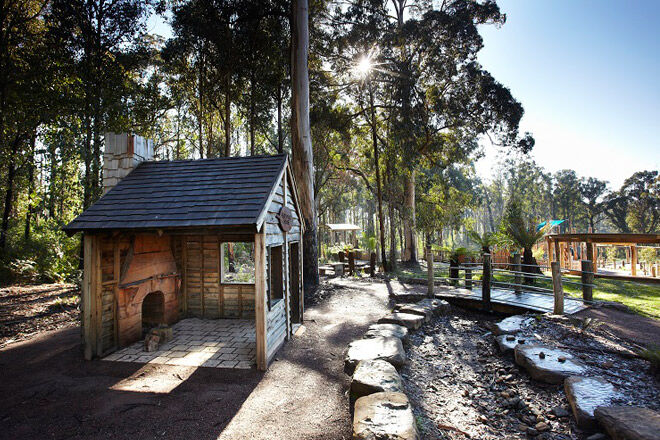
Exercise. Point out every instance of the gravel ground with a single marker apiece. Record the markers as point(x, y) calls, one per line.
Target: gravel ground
point(462, 387)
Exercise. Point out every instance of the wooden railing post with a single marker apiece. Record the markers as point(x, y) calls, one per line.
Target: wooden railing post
point(430, 276)
point(351, 263)
point(372, 264)
point(517, 279)
point(468, 278)
point(485, 285)
point(587, 280)
point(557, 288)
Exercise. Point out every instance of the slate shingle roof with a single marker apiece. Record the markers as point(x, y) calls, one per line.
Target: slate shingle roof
point(190, 193)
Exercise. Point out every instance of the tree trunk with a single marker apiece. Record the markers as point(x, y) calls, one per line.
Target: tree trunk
point(9, 194)
point(392, 237)
point(379, 189)
point(301, 140)
point(30, 188)
point(280, 138)
point(252, 130)
point(409, 223)
point(228, 116)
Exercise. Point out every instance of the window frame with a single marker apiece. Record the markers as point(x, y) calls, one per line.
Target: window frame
point(222, 266)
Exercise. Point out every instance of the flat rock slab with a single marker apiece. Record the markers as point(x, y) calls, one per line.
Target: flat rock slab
point(374, 376)
point(387, 349)
point(415, 309)
point(412, 322)
point(439, 306)
point(386, 331)
point(585, 394)
point(508, 343)
point(547, 364)
point(629, 422)
point(512, 325)
point(384, 416)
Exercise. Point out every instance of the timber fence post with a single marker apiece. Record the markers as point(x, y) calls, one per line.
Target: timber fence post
point(557, 288)
point(351, 263)
point(468, 278)
point(587, 280)
point(429, 272)
point(485, 285)
point(517, 276)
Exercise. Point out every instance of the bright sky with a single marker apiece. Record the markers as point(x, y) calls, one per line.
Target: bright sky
point(588, 75)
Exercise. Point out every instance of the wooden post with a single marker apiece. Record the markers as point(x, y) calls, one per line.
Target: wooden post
point(633, 260)
point(468, 278)
point(485, 285)
point(430, 277)
point(87, 295)
point(557, 253)
point(587, 278)
point(372, 264)
point(548, 248)
point(517, 279)
point(351, 263)
point(260, 299)
point(557, 288)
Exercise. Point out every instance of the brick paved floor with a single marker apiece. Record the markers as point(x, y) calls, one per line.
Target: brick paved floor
point(217, 343)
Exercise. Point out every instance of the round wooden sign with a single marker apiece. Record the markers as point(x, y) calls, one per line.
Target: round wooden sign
point(286, 219)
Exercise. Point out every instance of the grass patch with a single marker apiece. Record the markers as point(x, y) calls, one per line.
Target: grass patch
point(641, 298)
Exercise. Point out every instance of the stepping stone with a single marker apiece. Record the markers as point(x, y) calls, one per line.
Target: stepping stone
point(585, 394)
point(547, 364)
point(374, 376)
point(512, 324)
point(415, 309)
point(508, 343)
point(386, 331)
point(388, 349)
point(384, 416)
point(629, 422)
point(412, 322)
point(439, 306)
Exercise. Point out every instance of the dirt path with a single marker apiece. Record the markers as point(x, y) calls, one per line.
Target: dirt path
point(26, 311)
point(49, 391)
point(302, 396)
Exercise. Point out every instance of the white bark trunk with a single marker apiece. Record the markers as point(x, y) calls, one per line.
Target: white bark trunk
point(301, 139)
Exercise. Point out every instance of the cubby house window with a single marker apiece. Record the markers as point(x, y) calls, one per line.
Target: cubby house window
point(275, 278)
point(238, 263)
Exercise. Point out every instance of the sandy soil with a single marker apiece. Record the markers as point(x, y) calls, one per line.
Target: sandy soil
point(50, 391)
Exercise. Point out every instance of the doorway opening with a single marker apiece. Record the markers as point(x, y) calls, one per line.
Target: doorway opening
point(294, 282)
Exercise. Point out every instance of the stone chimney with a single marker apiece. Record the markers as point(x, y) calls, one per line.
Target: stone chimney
point(123, 152)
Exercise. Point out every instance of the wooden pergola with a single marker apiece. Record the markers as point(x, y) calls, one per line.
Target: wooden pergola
point(559, 243)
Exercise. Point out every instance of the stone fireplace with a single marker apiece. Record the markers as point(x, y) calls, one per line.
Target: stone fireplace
point(148, 288)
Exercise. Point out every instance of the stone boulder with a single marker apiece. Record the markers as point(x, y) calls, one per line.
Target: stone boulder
point(412, 322)
point(415, 309)
point(384, 416)
point(508, 343)
point(374, 376)
point(547, 364)
point(387, 349)
point(439, 306)
point(387, 330)
point(629, 422)
point(512, 325)
point(585, 394)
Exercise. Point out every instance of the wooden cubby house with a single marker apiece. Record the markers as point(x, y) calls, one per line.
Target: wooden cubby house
point(163, 244)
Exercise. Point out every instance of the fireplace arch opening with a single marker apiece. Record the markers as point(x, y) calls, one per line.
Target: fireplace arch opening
point(153, 311)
